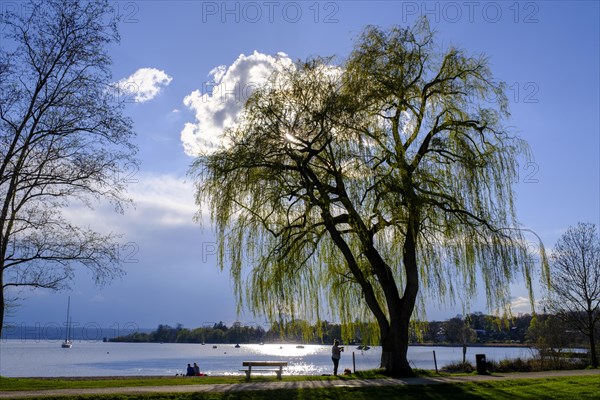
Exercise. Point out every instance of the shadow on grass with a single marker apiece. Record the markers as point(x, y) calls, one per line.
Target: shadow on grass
point(506, 390)
point(433, 392)
point(581, 387)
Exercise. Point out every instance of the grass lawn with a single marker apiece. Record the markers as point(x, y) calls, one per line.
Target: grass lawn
point(564, 388)
point(11, 384)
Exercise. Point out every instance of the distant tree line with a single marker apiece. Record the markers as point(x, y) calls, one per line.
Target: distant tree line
point(540, 330)
point(476, 328)
point(296, 331)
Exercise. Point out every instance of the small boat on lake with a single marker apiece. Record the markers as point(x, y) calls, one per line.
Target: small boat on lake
point(68, 343)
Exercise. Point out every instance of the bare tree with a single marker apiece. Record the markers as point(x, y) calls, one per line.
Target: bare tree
point(574, 294)
point(63, 140)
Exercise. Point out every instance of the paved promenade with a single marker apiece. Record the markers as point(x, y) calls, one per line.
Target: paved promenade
point(237, 387)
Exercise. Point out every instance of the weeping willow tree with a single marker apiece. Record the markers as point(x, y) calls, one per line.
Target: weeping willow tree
point(354, 188)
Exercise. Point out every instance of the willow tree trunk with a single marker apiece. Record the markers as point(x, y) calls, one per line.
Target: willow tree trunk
point(394, 346)
point(395, 339)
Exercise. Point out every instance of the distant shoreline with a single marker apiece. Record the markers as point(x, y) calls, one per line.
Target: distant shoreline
point(470, 345)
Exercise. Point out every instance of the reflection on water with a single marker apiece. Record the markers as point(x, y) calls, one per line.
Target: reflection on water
point(95, 358)
point(286, 350)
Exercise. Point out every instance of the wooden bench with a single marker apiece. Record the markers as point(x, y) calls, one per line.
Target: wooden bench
point(271, 366)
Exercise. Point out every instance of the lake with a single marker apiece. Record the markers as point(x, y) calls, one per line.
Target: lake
point(44, 358)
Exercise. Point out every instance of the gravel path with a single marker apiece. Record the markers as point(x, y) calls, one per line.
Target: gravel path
point(236, 387)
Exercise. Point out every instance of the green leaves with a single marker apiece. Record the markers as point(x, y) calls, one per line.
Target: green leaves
point(338, 175)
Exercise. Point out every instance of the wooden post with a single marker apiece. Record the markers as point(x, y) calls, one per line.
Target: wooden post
point(435, 362)
point(353, 363)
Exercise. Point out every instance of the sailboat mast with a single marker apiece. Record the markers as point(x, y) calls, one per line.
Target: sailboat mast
point(68, 320)
point(67, 343)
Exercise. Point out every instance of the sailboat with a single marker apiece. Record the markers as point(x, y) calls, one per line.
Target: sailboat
point(68, 343)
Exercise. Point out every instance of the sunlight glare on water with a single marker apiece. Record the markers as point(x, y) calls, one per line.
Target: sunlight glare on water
point(283, 350)
point(296, 355)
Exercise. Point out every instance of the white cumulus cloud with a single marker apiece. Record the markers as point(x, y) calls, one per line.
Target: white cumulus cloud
point(521, 304)
point(218, 105)
point(144, 84)
point(159, 201)
point(164, 200)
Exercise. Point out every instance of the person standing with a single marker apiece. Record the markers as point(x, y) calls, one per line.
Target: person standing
point(336, 351)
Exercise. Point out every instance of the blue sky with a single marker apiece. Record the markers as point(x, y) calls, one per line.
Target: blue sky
point(546, 52)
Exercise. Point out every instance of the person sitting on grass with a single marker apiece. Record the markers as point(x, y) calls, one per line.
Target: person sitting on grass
point(190, 371)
